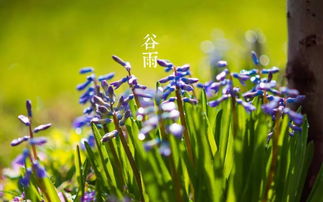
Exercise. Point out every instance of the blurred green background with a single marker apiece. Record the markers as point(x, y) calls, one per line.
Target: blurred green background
point(44, 43)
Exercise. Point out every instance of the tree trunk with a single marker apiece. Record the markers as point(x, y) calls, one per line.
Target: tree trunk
point(305, 71)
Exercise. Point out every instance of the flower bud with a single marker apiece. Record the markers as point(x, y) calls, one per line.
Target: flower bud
point(270, 71)
point(42, 127)
point(151, 143)
point(164, 63)
point(106, 77)
point(40, 171)
point(221, 76)
point(255, 58)
point(28, 107)
point(37, 141)
point(85, 70)
point(109, 136)
point(126, 65)
point(24, 119)
point(82, 86)
point(222, 63)
point(19, 140)
point(176, 129)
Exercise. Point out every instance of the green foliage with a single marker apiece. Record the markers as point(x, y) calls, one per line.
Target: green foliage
point(226, 167)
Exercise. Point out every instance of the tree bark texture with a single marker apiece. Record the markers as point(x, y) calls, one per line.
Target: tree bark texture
point(305, 71)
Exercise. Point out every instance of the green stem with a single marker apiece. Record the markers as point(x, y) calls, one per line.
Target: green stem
point(172, 167)
point(33, 147)
point(273, 165)
point(129, 156)
point(184, 124)
point(116, 161)
point(80, 166)
point(235, 124)
point(102, 158)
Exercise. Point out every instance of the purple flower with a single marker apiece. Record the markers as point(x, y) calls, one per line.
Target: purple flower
point(248, 107)
point(169, 106)
point(87, 95)
point(88, 197)
point(164, 63)
point(297, 99)
point(222, 63)
point(270, 71)
point(228, 88)
point(241, 77)
point(24, 119)
point(251, 72)
point(118, 83)
point(90, 140)
point(21, 159)
point(25, 180)
point(190, 100)
point(255, 79)
point(164, 149)
point(289, 92)
point(85, 70)
point(215, 86)
point(183, 68)
point(42, 127)
point(166, 79)
point(270, 107)
point(172, 115)
point(106, 77)
point(176, 129)
point(143, 94)
point(181, 74)
point(133, 80)
point(252, 94)
point(222, 75)
point(40, 171)
point(82, 86)
point(171, 99)
point(87, 110)
point(189, 80)
point(19, 140)
point(126, 65)
point(266, 85)
point(295, 117)
point(215, 103)
point(37, 141)
point(151, 143)
point(167, 92)
point(255, 58)
point(98, 100)
point(140, 86)
point(295, 128)
point(185, 87)
point(28, 107)
point(96, 120)
point(109, 136)
point(81, 121)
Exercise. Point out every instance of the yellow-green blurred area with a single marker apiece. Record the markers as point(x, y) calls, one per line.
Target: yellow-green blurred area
point(43, 44)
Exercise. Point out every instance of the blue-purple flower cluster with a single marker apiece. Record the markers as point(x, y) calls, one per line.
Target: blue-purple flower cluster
point(275, 101)
point(163, 115)
point(21, 159)
point(179, 80)
point(26, 120)
point(225, 83)
point(130, 78)
point(90, 88)
point(88, 196)
point(108, 110)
